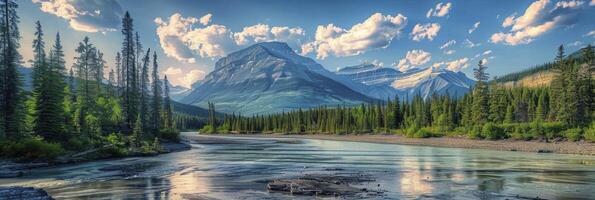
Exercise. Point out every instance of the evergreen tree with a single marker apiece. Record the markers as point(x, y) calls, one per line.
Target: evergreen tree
point(144, 91)
point(168, 113)
point(157, 97)
point(50, 121)
point(11, 111)
point(129, 67)
point(480, 110)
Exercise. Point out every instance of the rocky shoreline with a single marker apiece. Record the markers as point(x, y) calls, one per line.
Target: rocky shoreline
point(10, 169)
point(561, 147)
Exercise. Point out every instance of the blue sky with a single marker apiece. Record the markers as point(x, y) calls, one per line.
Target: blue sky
point(189, 36)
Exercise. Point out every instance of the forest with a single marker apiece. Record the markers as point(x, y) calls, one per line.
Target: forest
point(76, 110)
point(562, 110)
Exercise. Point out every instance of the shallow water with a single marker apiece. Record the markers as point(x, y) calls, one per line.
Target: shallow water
point(239, 168)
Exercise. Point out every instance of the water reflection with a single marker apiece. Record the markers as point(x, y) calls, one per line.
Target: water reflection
point(240, 168)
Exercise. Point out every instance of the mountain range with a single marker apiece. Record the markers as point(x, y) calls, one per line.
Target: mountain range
point(270, 77)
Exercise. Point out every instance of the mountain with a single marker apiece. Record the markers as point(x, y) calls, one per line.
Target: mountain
point(270, 77)
point(177, 92)
point(387, 82)
point(426, 82)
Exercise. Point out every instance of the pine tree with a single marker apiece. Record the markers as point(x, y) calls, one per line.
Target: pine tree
point(168, 113)
point(50, 121)
point(480, 110)
point(144, 91)
point(39, 58)
point(557, 85)
point(130, 73)
point(11, 111)
point(157, 97)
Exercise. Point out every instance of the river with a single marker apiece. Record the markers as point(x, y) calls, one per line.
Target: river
point(239, 168)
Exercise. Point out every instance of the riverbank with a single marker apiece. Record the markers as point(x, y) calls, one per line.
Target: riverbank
point(10, 169)
point(562, 147)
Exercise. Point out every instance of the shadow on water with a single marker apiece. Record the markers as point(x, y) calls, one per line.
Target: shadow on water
point(231, 168)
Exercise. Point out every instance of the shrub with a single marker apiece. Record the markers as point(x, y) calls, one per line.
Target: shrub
point(424, 133)
point(475, 132)
point(170, 135)
point(207, 129)
point(492, 132)
point(573, 134)
point(553, 129)
point(32, 149)
point(590, 133)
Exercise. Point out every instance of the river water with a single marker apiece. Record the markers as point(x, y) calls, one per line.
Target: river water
point(239, 168)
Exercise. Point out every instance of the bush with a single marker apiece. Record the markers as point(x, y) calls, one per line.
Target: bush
point(590, 133)
point(475, 132)
point(170, 135)
point(492, 132)
point(207, 129)
point(32, 149)
point(573, 134)
point(553, 129)
point(424, 133)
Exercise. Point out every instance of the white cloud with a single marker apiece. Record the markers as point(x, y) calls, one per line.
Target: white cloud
point(575, 44)
point(205, 20)
point(590, 33)
point(191, 77)
point(475, 26)
point(172, 71)
point(484, 61)
point(181, 40)
point(455, 65)
point(508, 21)
point(449, 52)
point(592, 3)
point(448, 44)
point(470, 44)
point(536, 21)
point(426, 31)
point(85, 15)
point(485, 53)
point(413, 59)
point(440, 10)
point(263, 33)
point(569, 4)
point(375, 32)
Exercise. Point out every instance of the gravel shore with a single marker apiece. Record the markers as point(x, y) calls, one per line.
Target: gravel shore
point(562, 147)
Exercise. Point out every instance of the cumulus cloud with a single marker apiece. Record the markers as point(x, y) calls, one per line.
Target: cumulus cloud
point(592, 3)
point(263, 33)
point(413, 59)
point(205, 20)
point(425, 31)
point(590, 34)
point(172, 71)
point(191, 77)
point(454, 65)
point(475, 26)
point(440, 10)
point(85, 15)
point(536, 21)
point(375, 32)
point(181, 40)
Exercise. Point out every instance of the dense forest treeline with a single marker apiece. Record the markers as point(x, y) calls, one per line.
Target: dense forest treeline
point(565, 109)
point(76, 110)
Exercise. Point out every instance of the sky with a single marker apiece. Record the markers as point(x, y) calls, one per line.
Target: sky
point(190, 36)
